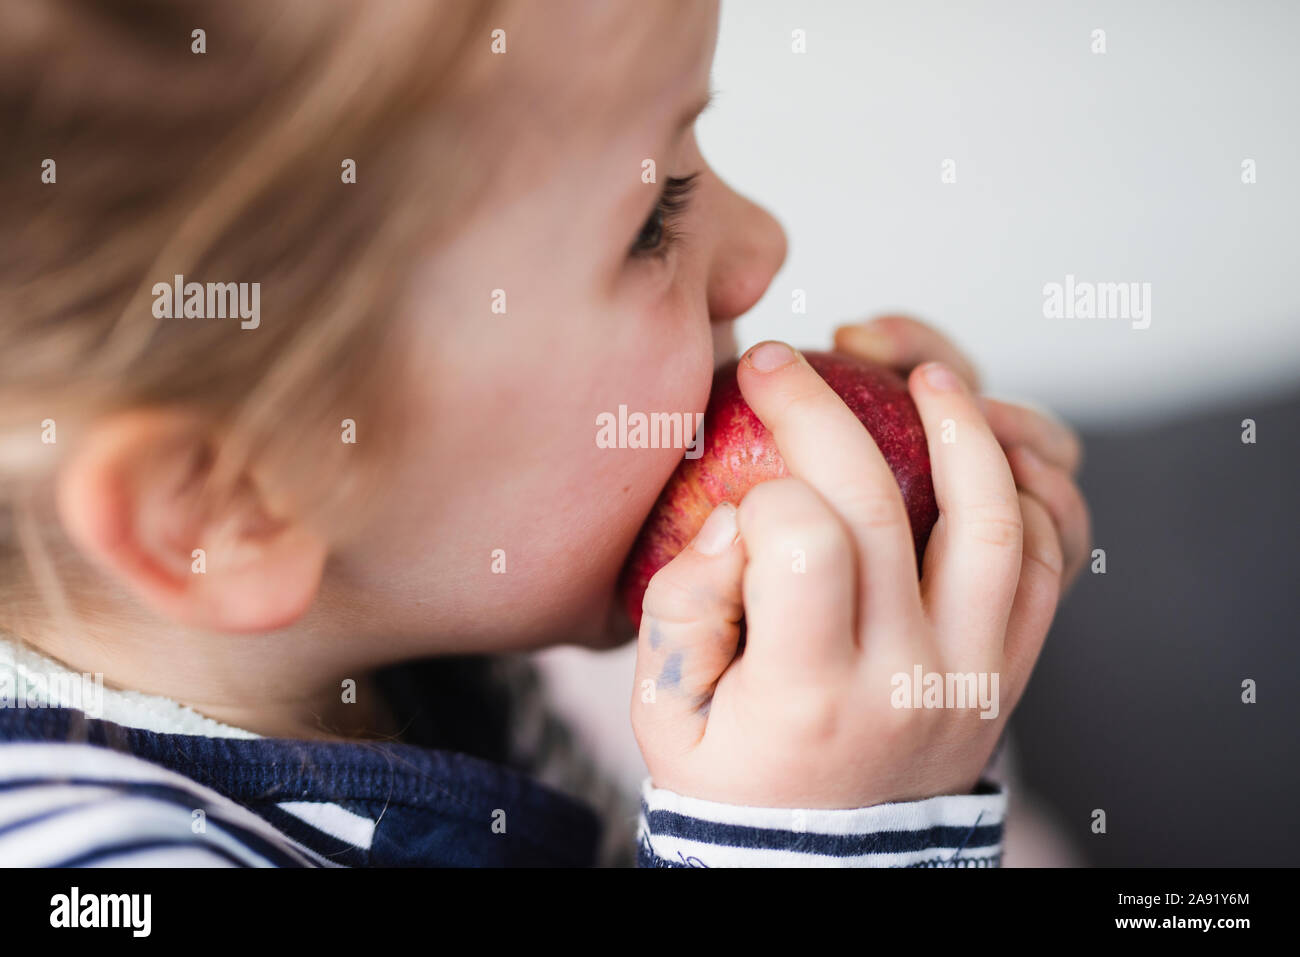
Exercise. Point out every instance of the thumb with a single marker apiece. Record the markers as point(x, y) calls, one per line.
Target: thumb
point(690, 627)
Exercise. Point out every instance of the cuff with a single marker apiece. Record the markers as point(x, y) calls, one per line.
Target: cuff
point(961, 830)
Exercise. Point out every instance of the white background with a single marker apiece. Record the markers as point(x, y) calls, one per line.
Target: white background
point(1116, 167)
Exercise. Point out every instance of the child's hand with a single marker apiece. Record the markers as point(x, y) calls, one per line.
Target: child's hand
point(1043, 452)
point(805, 717)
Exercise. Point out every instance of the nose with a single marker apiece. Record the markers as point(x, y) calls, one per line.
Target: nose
point(751, 251)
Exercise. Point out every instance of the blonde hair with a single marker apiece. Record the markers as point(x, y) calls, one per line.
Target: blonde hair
point(224, 165)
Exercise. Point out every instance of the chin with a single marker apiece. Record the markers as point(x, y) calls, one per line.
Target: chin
point(596, 624)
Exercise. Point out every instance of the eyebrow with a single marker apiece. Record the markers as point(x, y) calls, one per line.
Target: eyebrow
point(691, 115)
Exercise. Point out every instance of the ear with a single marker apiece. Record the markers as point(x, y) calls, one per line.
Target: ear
point(133, 497)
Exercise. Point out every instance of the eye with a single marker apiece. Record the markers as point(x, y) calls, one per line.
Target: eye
point(652, 233)
point(657, 234)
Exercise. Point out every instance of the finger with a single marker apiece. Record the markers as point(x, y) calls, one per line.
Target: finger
point(690, 626)
point(905, 343)
point(1055, 488)
point(1052, 439)
point(972, 562)
point(824, 443)
point(1037, 595)
point(799, 585)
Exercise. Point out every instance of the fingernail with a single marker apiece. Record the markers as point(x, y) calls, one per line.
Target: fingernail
point(769, 356)
point(718, 531)
point(941, 378)
point(871, 341)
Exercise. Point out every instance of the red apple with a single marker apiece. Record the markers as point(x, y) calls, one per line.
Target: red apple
point(739, 453)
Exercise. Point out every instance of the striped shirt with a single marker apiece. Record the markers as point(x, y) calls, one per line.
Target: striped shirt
point(491, 777)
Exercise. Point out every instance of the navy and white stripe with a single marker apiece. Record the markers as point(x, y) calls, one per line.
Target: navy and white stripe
point(952, 831)
point(153, 823)
point(77, 805)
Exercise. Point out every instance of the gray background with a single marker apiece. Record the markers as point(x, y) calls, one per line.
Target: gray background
point(1135, 706)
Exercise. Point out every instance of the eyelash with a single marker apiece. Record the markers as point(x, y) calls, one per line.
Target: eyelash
point(672, 203)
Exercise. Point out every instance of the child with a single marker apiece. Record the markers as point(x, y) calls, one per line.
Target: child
point(308, 313)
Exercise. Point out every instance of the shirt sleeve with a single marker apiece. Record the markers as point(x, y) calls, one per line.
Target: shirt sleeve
point(962, 830)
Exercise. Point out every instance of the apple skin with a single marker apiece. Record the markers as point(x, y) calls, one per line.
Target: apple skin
point(739, 453)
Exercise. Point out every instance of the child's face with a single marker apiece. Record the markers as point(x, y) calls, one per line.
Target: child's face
point(505, 405)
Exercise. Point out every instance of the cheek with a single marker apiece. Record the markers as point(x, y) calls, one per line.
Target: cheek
point(507, 458)
point(660, 383)
point(566, 509)
point(604, 474)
